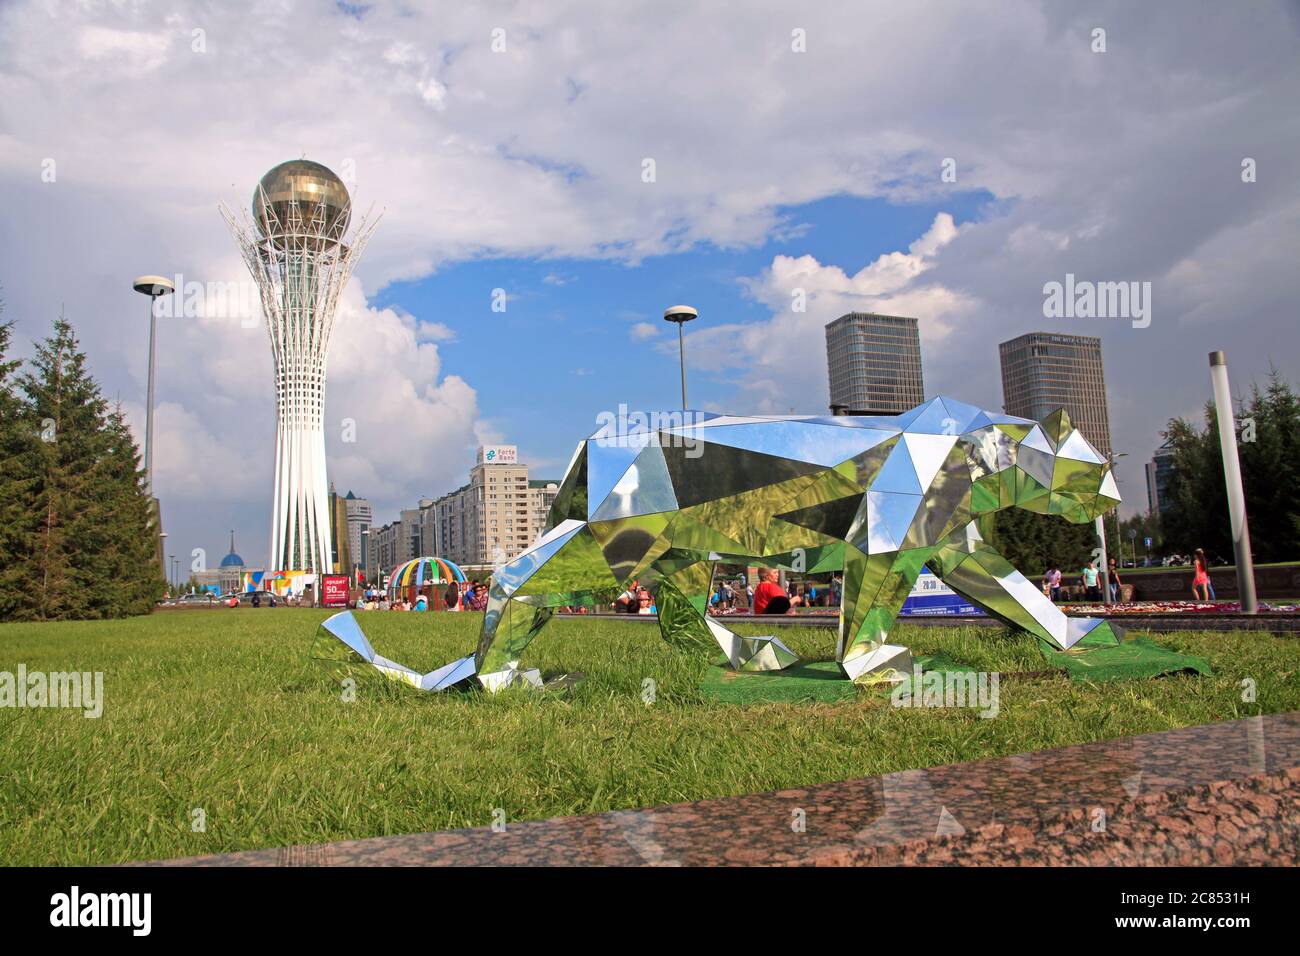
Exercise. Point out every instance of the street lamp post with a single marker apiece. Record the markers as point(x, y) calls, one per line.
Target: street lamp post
point(365, 550)
point(154, 287)
point(681, 314)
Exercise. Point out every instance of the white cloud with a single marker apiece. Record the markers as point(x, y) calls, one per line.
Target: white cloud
point(1115, 166)
point(782, 361)
point(129, 51)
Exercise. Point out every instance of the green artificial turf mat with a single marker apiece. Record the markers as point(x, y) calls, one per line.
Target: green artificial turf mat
point(807, 680)
point(1136, 658)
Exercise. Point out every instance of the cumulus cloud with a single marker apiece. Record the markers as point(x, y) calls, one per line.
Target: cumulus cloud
point(782, 360)
point(1123, 165)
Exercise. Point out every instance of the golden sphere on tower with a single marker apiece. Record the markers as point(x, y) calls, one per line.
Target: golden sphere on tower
point(303, 199)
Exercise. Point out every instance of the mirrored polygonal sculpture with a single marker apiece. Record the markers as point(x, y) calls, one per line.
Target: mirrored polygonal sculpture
point(340, 639)
point(668, 498)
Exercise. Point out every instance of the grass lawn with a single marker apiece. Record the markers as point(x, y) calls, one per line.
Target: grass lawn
point(222, 710)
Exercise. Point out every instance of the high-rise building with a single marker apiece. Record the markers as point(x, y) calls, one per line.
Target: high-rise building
point(359, 518)
point(497, 515)
point(340, 542)
point(874, 364)
point(1044, 371)
point(486, 522)
point(350, 517)
point(1159, 468)
point(541, 495)
point(297, 248)
point(400, 541)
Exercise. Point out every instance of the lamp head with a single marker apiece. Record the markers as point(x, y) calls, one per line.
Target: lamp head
point(153, 286)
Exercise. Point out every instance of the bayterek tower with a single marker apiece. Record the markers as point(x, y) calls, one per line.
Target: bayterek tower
point(298, 249)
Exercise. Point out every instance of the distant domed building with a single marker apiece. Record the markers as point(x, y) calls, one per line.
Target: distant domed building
point(226, 576)
point(232, 560)
point(231, 569)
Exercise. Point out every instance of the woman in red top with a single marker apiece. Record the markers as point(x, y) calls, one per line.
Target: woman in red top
point(1201, 577)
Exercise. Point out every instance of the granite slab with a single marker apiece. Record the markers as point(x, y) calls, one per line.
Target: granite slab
point(1225, 793)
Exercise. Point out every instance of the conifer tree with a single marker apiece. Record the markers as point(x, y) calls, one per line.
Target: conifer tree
point(17, 519)
point(93, 551)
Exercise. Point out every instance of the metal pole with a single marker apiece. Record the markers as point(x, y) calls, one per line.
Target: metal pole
point(681, 355)
point(1104, 577)
point(148, 413)
point(1232, 478)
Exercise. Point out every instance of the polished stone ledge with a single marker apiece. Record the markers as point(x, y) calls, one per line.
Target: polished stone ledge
point(1226, 793)
point(1276, 622)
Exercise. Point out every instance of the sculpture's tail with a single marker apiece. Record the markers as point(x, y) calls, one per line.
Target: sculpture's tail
point(340, 639)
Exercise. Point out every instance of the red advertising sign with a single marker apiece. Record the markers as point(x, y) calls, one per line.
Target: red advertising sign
point(334, 590)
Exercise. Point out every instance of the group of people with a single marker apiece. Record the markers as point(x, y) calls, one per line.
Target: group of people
point(635, 600)
point(459, 596)
point(1089, 579)
point(768, 598)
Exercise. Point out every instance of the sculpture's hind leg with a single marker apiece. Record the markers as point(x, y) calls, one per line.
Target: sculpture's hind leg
point(974, 569)
point(683, 600)
point(875, 587)
point(565, 566)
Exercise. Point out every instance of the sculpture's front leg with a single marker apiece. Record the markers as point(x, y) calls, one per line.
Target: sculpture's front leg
point(875, 587)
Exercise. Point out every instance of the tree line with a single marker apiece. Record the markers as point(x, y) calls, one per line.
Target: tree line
point(1195, 499)
point(78, 533)
point(1268, 442)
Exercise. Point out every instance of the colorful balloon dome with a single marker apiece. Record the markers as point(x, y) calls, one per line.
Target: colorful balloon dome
point(426, 570)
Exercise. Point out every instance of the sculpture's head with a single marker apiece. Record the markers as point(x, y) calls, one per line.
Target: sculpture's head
point(1047, 467)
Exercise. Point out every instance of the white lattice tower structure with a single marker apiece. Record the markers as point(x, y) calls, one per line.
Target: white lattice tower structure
point(294, 246)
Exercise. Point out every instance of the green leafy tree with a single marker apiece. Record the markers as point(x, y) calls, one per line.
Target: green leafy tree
point(1268, 446)
point(1035, 543)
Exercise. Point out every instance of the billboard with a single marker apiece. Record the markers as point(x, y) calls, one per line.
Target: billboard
point(498, 455)
point(334, 590)
point(930, 597)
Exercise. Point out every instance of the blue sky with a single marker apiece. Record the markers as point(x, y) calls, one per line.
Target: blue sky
point(506, 145)
point(562, 351)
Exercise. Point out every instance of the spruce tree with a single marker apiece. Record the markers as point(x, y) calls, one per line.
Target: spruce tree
point(18, 523)
point(93, 552)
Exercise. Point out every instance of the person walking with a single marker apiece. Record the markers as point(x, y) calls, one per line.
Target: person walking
point(1090, 577)
point(1200, 577)
point(1115, 582)
point(1054, 584)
